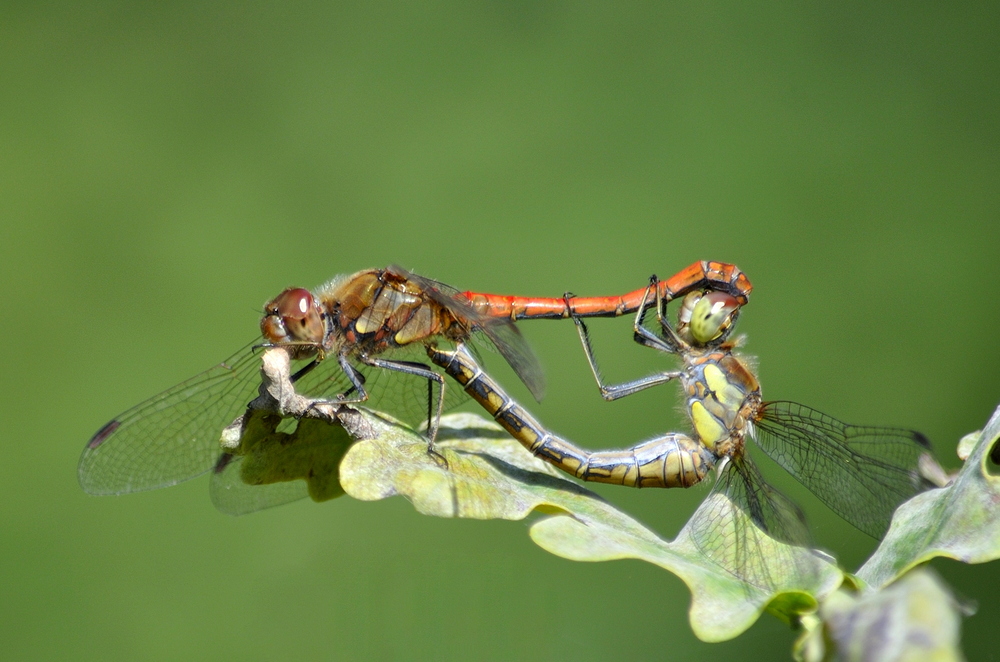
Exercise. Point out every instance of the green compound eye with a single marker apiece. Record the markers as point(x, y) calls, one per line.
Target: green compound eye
point(712, 316)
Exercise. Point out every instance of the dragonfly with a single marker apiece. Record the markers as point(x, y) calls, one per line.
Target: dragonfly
point(344, 334)
point(698, 276)
point(862, 473)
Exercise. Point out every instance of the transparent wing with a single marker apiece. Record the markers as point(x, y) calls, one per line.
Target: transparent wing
point(406, 397)
point(753, 531)
point(173, 436)
point(280, 460)
point(862, 473)
point(233, 496)
point(500, 331)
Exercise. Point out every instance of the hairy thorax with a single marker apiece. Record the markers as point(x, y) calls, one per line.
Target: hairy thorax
point(722, 396)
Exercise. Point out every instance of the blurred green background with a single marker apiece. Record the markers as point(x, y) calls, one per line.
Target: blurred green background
point(166, 168)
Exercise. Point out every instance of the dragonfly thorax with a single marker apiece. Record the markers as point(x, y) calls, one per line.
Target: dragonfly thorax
point(722, 396)
point(379, 309)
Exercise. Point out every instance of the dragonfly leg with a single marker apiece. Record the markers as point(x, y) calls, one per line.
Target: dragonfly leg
point(277, 394)
point(356, 378)
point(426, 372)
point(357, 383)
point(671, 460)
point(615, 391)
point(669, 341)
point(305, 370)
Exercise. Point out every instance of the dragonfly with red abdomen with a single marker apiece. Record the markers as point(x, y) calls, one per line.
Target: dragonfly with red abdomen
point(702, 275)
point(861, 472)
point(346, 334)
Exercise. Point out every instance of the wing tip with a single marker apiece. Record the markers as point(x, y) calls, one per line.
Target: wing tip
point(103, 434)
point(225, 459)
point(537, 389)
point(921, 439)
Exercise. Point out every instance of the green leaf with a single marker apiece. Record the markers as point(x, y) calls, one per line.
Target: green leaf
point(733, 570)
point(285, 445)
point(958, 521)
point(272, 467)
point(915, 618)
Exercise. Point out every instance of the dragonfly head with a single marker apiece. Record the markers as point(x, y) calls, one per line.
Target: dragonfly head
point(293, 317)
point(707, 317)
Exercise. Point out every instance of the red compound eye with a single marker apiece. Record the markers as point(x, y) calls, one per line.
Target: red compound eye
point(294, 303)
point(292, 316)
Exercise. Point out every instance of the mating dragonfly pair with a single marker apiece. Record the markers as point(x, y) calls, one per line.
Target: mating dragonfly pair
point(355, 330)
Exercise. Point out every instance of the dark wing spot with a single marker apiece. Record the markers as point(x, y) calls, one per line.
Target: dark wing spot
point(922, 439)
point(223, 462)
point(102, 435)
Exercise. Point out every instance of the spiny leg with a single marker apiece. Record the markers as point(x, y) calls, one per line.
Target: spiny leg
point(615, 391)
point(669, 341)
point(426, 372)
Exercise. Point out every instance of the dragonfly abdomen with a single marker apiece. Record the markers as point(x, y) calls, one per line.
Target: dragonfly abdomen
point(671, 460)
